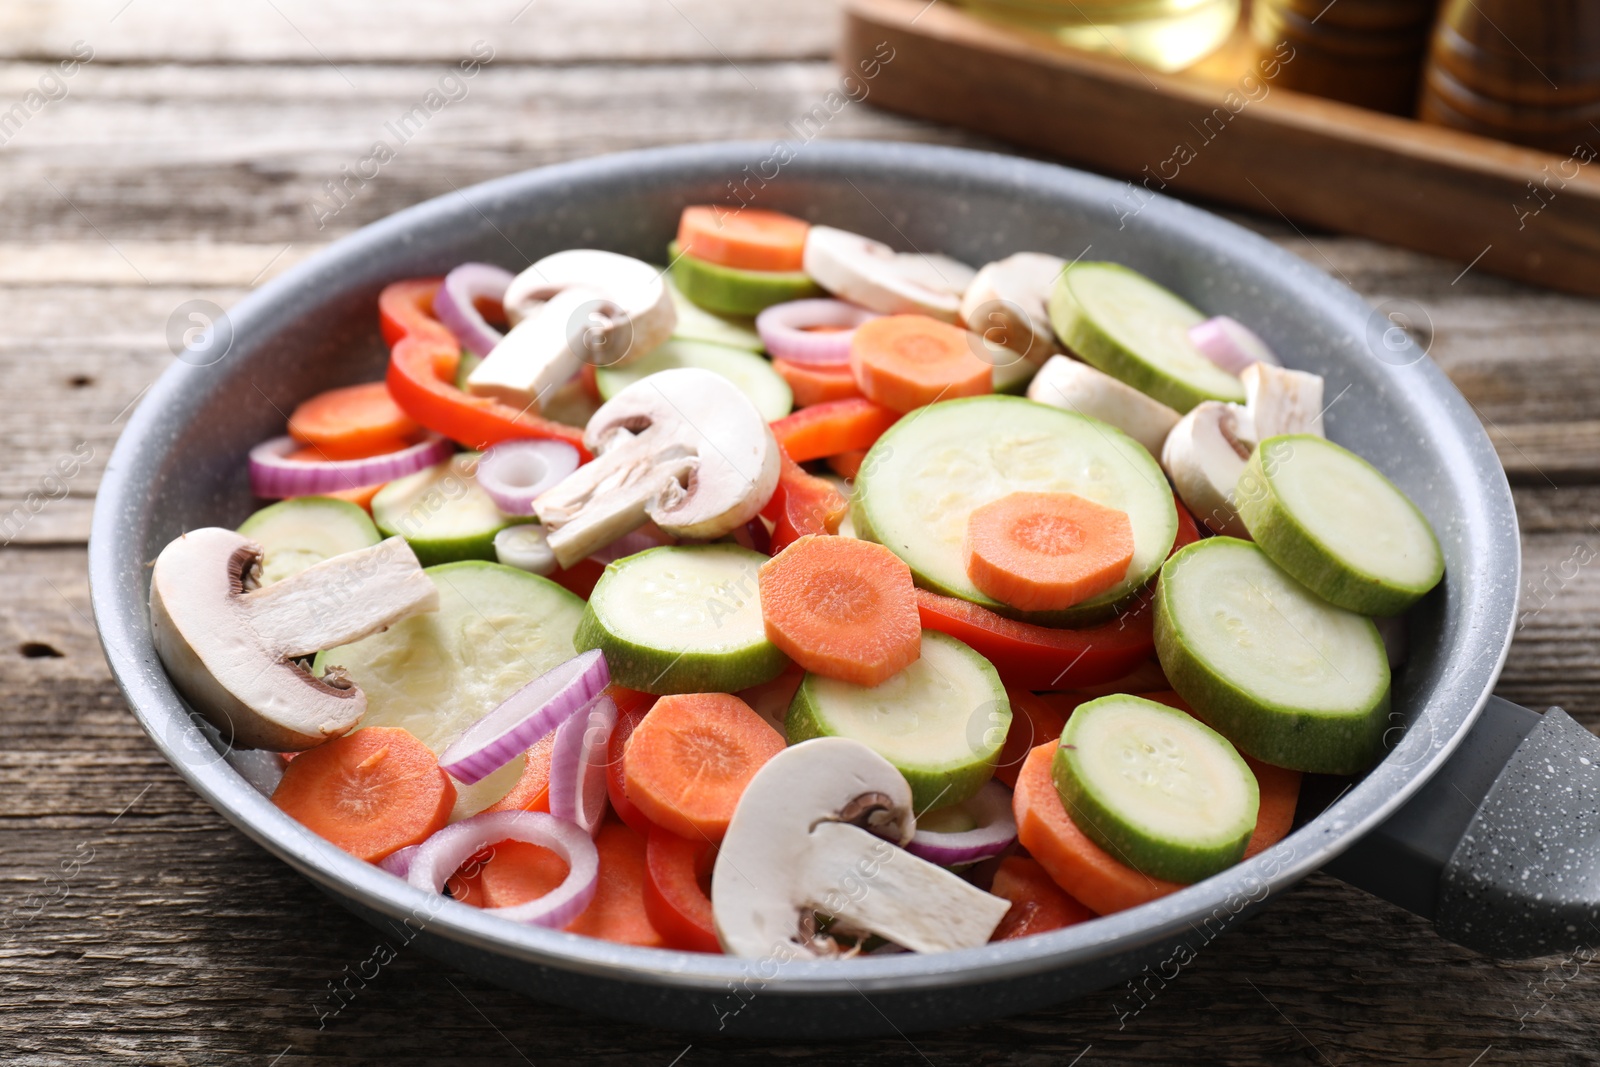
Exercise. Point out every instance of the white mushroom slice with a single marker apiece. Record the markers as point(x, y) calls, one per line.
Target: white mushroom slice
point(1204, 455)
point(232, 648)
point(816, 831)
point(683, 448)
point(582, 305)
point(1282, 401)
point(870, 273)
point(1008, 303)
point(1072, 386)
point(938, 272)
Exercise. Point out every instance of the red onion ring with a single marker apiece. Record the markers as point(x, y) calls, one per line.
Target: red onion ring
point(996, 829)
point(398, 863)
point(272, 476)
point(785, 330)
point(525, 717)
point(456, 306)
point(442, 855)
point(513, 473)
point(578, 760)
point(1231, 344)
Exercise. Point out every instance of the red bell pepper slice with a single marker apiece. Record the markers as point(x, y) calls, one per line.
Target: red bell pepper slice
point(422, 368)
point(1041, 657)
point(678, 907)
point(1188, 529)
point(632, 706)
point(802, 504)
point(823, 430)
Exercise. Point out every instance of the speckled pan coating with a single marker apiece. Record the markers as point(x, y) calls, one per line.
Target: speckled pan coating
point(181, 463)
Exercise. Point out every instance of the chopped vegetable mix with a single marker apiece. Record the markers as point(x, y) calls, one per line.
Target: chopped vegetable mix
point(718, 611)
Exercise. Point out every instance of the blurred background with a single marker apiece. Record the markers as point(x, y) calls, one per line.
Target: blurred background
point(157, 157)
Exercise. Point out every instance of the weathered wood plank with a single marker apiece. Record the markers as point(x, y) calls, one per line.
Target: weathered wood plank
point(350, 32)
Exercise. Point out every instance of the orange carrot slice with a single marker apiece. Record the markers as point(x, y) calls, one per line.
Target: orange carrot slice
point(371, 793)
point(532, 791)
point(747, 238)
point(847, 464)
point(517, 872)
point(1090, 874)
point(816, 385)
point(1038, 905)
point(841, 607)
point(1043, 551)
point(688, 762)
point(617, 912)
point(1034, 720)
point(906, 361)
point(350, 423)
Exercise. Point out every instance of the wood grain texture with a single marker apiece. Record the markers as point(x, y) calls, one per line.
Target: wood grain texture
point(1245, 143)
point(181, 165)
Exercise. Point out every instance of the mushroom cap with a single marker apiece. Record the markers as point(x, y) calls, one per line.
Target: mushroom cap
point(759, 886)
point(688, 412)
point(1204, 455)
point(626, 289)
point(1013, 293)
point(232, 650)
point(871, 274)
point(1072, 386)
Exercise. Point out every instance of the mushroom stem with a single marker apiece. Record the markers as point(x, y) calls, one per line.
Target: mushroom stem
point(342, 599)
point(609, 497)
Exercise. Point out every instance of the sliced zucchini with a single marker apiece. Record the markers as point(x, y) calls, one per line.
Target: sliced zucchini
point(751, 373)
point(730, 291)
point(294, 534)
point(1156, 788)
point(925, 476)
point(941, 721)
point(682, 619)
point(1287, 677)
point(1334, 522)
point(697, 324)
point(497, 628)
point(1122, 323)
point(1013, 377)
point(442, 512)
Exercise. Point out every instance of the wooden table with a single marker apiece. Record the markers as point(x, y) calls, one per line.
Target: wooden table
point(139, 927)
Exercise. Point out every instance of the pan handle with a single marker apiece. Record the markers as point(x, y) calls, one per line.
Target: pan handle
point(1501, 848)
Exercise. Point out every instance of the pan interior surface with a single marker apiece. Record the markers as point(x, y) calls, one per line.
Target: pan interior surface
point(181, 464)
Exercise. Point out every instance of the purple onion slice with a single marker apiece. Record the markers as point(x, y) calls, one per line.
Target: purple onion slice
point(525, 717)
point(273, 476)
point(1231, 344)
point(442, 855)
point(994, 829)
point(456, 304)
point(578, 761)
point(514, 473)
point(788, 330)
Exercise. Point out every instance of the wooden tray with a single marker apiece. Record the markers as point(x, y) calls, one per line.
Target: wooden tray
point(1501, 208)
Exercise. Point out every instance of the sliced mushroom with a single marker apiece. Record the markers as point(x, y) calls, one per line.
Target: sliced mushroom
point(232, 648)
point(816, 831)
point(938, 272)
point(575, 307)
point(1282, 401)
point(1204, 455)
point(1007, 303)
point(1072, 386)
point(870, 273)
point(683, 448)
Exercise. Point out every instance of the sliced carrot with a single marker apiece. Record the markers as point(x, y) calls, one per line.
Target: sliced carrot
point(1034, 720)
point(906, 361)
point(841, 607)
point(824, 430)
point(802, 504)
point(847, 464)
point(1044, 551)
point(1078, 865)
point(517, 872)
point(371, 793)
point(1278, 787)
point(677, 890)
point(466, 885)
point(617, 912)
point(745, 238)
point(347, 423)
point(1038, 905)
point(532, 791)
point(816, 385)
point(631, 708)
point(688, 762)
point(361, 498)
point(359, 495)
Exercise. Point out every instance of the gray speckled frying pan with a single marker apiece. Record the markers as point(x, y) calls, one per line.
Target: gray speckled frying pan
point(1483, 815)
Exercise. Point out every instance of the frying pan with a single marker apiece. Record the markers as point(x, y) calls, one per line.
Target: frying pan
point(1482, 816)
